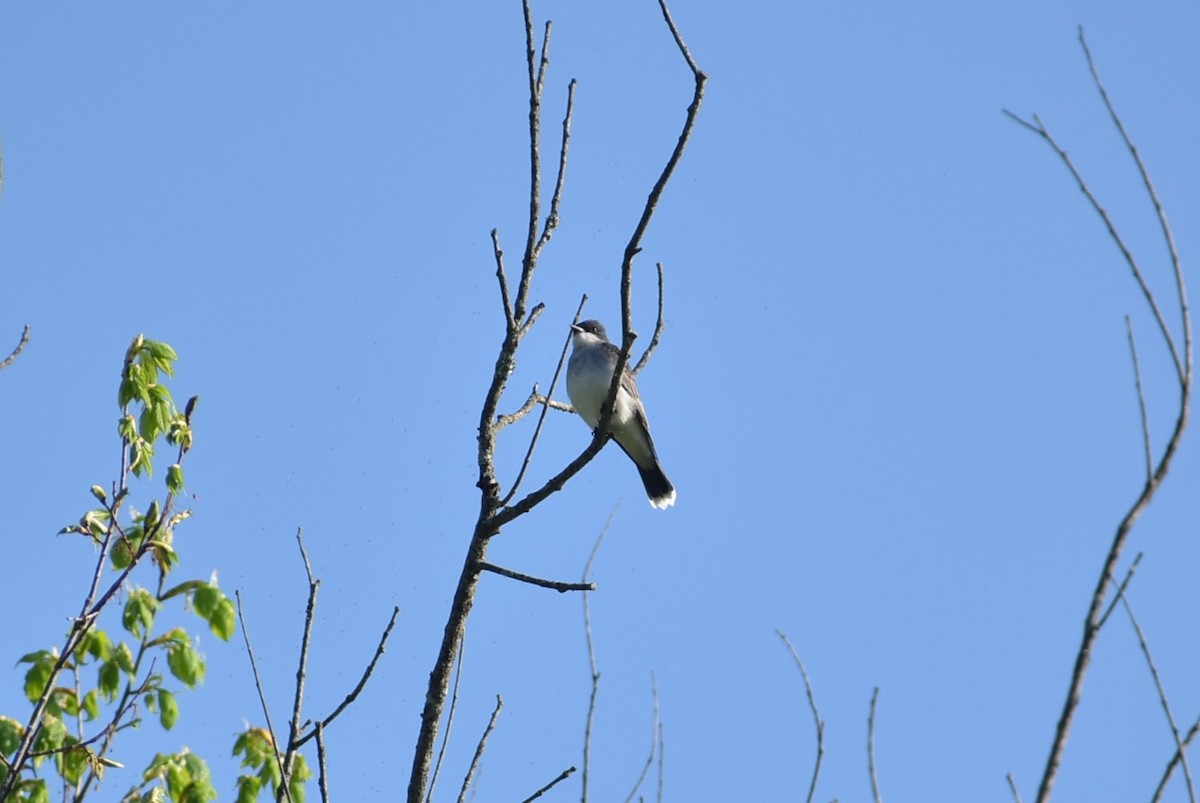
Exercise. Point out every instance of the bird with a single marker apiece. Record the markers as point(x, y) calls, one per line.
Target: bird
point(589, 374)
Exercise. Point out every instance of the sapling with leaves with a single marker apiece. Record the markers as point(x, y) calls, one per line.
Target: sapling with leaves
point(109, 668)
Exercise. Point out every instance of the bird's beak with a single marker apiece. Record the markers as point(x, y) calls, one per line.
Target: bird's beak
point(576, 327)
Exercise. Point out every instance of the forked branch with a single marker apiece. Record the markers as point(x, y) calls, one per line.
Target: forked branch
point(1182, 360)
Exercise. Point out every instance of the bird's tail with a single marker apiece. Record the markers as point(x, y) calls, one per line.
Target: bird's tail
point(658, 488)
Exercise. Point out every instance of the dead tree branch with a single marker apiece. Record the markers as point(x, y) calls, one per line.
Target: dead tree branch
point(21, 344)
point(1182, 361)
point(495, 510)
point(812, 704)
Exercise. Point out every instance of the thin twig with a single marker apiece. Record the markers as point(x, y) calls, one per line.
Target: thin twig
point(556, 198)
point(634, 246)
point(1183, 371)
point(322, 775)
point(591, 650)
point(537, 77)
point(437, 767)
point(534, 314)
point(1174, 762)
point(362, 681)
point(314, 586)
point(262, 697)
point(658, 325)
point(12, 355)
point(871, 748)
point(479, 748)
point(1159, 212)
point(1137, 381)
point(562, 358)
point(498, 253)
point(535, 398)
point(1112, 606)
point(1012, 785)
point(1162, 697)
point(812, 704)
point(555, 585)
point(1040, 129)
point(653, 743)
point(562, 776)
point(662, 751)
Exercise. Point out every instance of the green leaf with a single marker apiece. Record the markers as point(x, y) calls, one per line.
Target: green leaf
point(125, 392)
point(100, 495)
point(216, 609)
point(124, 658)
point(186, 664)
point(168, 709)
point(52, 735)
point(109, 680)
point(223, 622)
point(122, 554)
point(175, 478)
point(91, 705)
point(163, 354)
point(72, 763)
point(39, 674)
point(248, 788)
point(205, 599)
point(140, 609)
point(255, 747)
point(127, 428)
point(96, 522)
point(10, 735)
point(97, 645)
point(300, 774)
point(64, 700)
point(36, 792)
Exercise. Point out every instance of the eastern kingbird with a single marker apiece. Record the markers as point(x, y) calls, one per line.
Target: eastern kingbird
point(589, 374)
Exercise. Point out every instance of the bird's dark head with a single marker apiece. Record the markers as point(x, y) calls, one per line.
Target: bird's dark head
point(591, 327)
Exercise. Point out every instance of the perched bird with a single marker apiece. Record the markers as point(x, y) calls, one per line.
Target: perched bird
point(589, 374)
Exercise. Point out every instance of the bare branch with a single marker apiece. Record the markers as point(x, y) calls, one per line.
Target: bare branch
point(537, 77)
point(871, 748)
point(1040, 129)
point(634, 245)
point(525, 409)
point(654, 736)
point(1012, 785)
point(534, 314)
point(561, 777)
point(556, 198)
point(812, 704)
point(437, 767)
point(591, 649)
point(314, 585)
point(362, 681)
point(1120, 590)
point(658, 325)
point(479, 748)
point(1174, 762)
point(498, 253)
point(1162, 697)
point(322, 775)
point(555, 585)
point(1137, 381)
point(1159, 212)
point(262, 697)
point(12, 355)
point(495, 513)
point(1183, 371)
point(562, 358)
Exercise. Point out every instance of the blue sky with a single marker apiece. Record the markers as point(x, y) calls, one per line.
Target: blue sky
point(894, 391)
